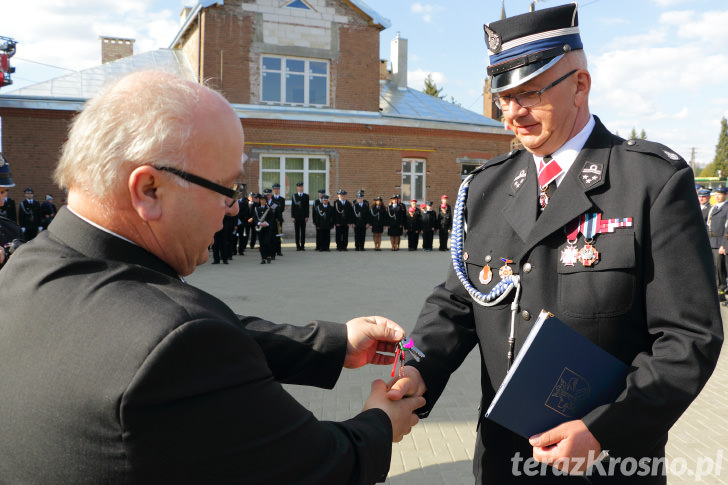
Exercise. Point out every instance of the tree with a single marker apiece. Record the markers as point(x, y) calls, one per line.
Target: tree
point(633, 134)
point(720, 162)
point(431, 88)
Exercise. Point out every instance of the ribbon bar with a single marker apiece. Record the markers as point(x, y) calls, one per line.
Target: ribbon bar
point(610, 225)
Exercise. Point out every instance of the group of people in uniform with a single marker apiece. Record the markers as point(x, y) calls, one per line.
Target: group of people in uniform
point(22, 222)
point(716, 222)
point(259, 218)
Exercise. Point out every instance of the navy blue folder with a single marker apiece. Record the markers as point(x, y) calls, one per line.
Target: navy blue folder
point(558, 375)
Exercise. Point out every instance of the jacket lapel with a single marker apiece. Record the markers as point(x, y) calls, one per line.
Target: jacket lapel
point(520, 209)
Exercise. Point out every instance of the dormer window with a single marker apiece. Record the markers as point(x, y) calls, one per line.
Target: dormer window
point(294, 81)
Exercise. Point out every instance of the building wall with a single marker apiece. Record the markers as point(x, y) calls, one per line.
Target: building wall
point(32, 141)
point(369, 157)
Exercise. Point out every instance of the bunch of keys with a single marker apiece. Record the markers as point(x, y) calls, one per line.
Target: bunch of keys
point(403, 346)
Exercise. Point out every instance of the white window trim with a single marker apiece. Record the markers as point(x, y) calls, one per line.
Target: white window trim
point(307, 76)
point(306, 171)
point(412, 174)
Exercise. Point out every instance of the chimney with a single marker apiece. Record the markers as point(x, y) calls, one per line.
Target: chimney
point(184, 14)
point(115, 48)
point(398, 48)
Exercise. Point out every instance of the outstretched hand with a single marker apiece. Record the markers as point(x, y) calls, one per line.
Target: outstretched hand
point(367, 338)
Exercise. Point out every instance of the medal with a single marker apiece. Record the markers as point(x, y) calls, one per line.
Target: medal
point(570, 254)
point(486, 275)
point(590, 226)
point(505, 270)
point(588, 255)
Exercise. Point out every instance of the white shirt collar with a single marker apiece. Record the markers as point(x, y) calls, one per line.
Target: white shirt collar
point(566, 155)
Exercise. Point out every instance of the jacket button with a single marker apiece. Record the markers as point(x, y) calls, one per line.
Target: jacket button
point(527, 268)
point(525, 315)
point(488, 258)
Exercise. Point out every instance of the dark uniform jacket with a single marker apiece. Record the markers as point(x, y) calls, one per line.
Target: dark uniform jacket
point(705, 209)
point(300, 207)
point(324, 217)
point(343, 212)
point(429, 221)
point(377, 215)
point(360, 215)
point(9, 210)
point(716, 222)
point(29, 215)
point(633, 302)
point(444, 218)
point(280, 206)
point(126, 374)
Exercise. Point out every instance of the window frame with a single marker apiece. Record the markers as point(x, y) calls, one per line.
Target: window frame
point(308, 76)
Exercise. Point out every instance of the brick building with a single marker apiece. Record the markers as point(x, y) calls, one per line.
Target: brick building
point(316, 102)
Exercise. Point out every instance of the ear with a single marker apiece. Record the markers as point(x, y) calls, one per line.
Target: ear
point(583, 86)
point(144, 182)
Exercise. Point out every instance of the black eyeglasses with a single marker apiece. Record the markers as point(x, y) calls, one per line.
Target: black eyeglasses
point(526, 99)
point(231, 193)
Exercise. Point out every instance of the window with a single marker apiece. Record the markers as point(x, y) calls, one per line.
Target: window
point(294, 81)
point(413, 179)
point(287, 170)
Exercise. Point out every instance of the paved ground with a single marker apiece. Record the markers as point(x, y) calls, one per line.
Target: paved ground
point(302, 286)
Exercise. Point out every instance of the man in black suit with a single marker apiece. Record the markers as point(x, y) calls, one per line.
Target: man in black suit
point(343, 218)
point(617, 275)
point(127, 374)
point(325, 216)
point(29, 218)
point(299, 215)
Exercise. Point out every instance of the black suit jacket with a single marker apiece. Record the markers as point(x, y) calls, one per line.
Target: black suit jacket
point(300, 207)
point(716, 224)
point(635, 302)
point(126, 374)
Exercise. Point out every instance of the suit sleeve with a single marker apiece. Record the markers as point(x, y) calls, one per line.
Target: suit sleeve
point(310, 355)
point(685, 327)
point(205, 408)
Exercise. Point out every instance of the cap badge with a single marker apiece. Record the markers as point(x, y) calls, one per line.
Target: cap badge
point(493, 39)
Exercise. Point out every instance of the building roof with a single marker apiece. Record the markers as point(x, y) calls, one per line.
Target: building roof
point(398, 107)
point(84, 84)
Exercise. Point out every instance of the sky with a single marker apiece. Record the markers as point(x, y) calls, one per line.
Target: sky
point(657, 65)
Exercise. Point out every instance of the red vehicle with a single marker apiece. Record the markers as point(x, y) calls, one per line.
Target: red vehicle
point(7, 50)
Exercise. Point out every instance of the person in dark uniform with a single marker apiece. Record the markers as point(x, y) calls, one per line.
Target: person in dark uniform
point(360, 213)
point(429, 224)
point(444, 222)
point(621, 282)
point(47, 211)
point(716, 224)
point(395, 221)
point(10, 233)
point(343, 217)
point(222, 246)
point(704, 199)
point(413, 223)
point(299, 215)
point(325, 216)
point(277, 202)
point(264, 222)
point(314, 212)
point(29, 215)
point(7, 207)
point(253, 202)
point(243, 228)
point(377, 215)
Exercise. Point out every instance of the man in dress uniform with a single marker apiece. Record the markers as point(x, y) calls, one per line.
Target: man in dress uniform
point(314, 212)
point(277, 202)
point(264, 223)
point(299, 215)
point(444, 222)
point(360, 211)
point(716, 224)
point(253, 202)
point(343, 218)
point(10, 233)
point(244, 212)
point(325, 216)
point(621, 282)
point(704, 199)
point(429, 224)
point(29, 218)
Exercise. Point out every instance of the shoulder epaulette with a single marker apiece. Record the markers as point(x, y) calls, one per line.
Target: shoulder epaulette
point(657, 149)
